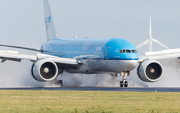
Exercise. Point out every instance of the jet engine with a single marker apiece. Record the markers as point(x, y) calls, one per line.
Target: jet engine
point(44, 70)
point(150, 71)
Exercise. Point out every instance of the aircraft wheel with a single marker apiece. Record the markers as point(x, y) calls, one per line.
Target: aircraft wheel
point(126, 84)
point(121, 83)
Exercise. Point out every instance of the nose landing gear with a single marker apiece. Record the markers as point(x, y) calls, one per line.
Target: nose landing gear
point(124, 82)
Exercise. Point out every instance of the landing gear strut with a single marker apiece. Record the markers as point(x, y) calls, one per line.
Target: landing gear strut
point(124, 82)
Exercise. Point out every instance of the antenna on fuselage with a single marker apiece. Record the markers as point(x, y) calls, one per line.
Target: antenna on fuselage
point(49, 23)
point(150, 40)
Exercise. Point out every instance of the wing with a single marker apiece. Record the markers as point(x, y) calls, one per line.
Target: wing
point(150, 69)
point(158, 55)
point(45, 67)
point(15, 56)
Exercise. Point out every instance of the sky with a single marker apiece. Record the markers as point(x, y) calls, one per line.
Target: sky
point(22, 22)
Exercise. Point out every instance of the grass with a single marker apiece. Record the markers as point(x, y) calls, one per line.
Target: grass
point(89, 101)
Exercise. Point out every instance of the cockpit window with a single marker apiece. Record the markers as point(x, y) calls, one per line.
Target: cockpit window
point(120, 51)
point(134, 51)
point(128, 51)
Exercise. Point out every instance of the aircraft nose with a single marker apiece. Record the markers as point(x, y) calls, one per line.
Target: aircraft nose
point(128, 65)
point(132, 64)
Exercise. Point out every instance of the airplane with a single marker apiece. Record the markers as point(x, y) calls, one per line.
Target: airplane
point(113, 56)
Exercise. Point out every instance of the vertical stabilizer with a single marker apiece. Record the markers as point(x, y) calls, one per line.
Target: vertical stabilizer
point(49, 23)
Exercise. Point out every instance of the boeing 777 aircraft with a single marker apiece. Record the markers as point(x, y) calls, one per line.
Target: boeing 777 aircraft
point(85, 55)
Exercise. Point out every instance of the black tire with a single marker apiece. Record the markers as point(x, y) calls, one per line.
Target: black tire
point(126, 84)
point(121, 83)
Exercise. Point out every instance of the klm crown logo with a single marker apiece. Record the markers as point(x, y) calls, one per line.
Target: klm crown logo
point(48, 19)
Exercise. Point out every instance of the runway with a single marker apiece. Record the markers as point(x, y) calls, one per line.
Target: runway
point(132, 89)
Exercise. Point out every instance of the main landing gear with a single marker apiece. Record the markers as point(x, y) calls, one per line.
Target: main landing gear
point(57, 83)
point(114, 75)
point(124, 83)
point(61, 83)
